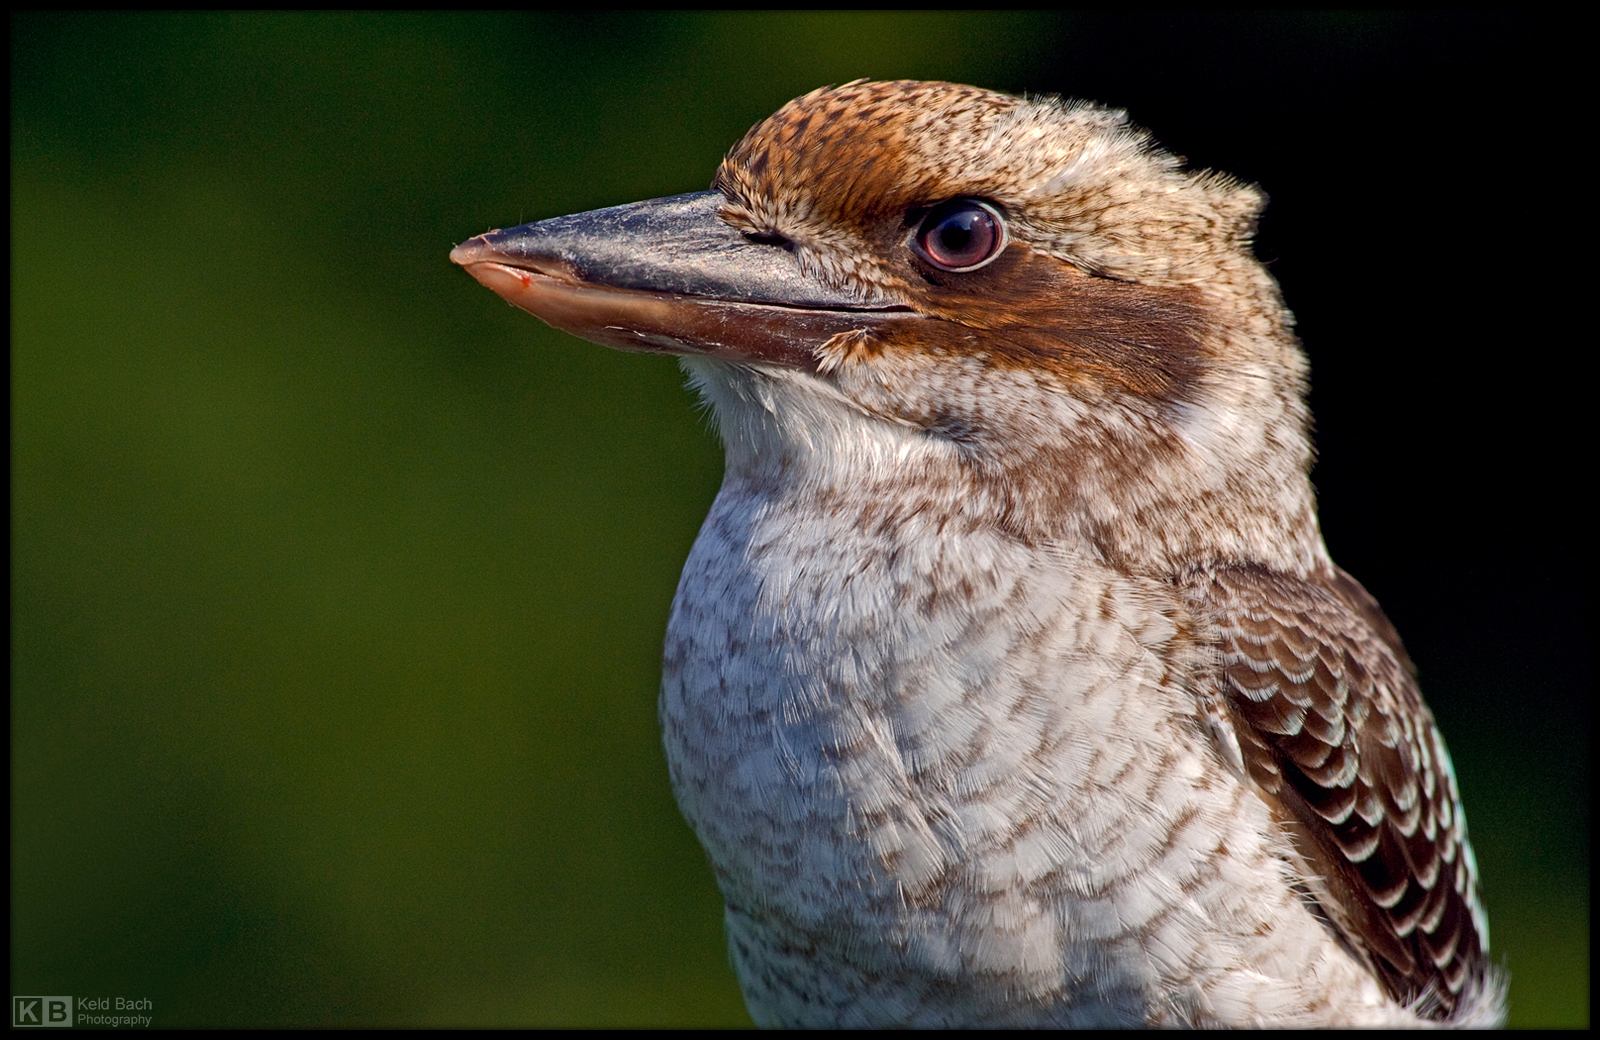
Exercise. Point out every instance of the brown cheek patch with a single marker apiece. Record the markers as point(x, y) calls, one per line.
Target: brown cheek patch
point(1036, 312)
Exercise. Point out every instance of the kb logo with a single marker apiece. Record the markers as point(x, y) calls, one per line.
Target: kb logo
point(40, 1011)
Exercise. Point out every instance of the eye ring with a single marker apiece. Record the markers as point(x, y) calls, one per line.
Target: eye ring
point(960, 235)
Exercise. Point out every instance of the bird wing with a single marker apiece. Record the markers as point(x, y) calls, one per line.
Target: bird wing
point(1323, 703)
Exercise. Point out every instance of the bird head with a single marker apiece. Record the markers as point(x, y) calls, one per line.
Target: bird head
point(1017, 313)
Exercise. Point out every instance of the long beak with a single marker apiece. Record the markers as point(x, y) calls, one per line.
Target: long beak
point(668, 276)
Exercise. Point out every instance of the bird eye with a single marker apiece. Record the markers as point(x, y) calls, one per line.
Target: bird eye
point(960, 235)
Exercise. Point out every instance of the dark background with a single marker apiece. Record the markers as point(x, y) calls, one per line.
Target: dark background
point(338, 585)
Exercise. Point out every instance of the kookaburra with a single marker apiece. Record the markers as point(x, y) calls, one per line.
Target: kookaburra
point(1009, 681)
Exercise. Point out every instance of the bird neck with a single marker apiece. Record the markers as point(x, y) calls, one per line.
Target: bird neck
point(1224, 489)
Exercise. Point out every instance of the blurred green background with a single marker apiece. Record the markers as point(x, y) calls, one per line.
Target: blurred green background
point(338, 586)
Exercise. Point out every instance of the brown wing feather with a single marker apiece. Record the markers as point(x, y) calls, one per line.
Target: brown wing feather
point(1332, 729)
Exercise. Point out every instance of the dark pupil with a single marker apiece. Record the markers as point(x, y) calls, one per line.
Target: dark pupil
point(955, 232)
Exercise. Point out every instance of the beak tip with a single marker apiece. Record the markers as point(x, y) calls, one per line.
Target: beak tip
point(473, 249)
